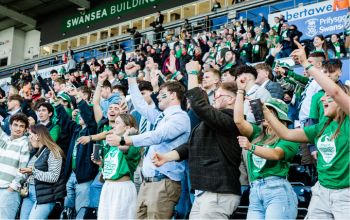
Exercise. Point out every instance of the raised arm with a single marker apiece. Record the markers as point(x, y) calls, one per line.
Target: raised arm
point(244, 127)
point(294, 135)
point(136, 97)
point(97, 96)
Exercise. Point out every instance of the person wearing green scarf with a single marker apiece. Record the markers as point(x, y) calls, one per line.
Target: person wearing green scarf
point(337, 47)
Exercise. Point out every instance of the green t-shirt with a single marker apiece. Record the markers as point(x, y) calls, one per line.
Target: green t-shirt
point(55, 132)
point(316, 108)
point(117, 164)
point(333, 154)
point(261, 168)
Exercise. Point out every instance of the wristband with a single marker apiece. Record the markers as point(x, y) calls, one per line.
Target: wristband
point(253, 148)
point(193, 72)
point(308, 67)
point(90, 138)
point(175, 75)
point(243, 91)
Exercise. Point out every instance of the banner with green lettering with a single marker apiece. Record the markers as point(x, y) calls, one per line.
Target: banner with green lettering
point(115, 9)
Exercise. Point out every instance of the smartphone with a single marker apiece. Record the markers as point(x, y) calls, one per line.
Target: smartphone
point(97, 151)
point(257, 110)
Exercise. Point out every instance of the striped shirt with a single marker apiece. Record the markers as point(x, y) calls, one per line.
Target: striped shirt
point(14, 154)
point(53, 172)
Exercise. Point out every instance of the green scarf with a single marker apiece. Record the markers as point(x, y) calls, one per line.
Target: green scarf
point(337, 49)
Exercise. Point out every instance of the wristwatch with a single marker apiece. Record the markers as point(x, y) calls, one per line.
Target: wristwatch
point(122, 141)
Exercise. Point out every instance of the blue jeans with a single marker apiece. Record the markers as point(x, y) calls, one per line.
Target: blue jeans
point(77, 195)
point(9, 204)
point(95, 191)
point(31, 210)
point(272, 198)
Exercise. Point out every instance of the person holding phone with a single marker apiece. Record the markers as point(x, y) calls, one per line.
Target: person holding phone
point(118, 197)
point(44, 174)
point(271, 195)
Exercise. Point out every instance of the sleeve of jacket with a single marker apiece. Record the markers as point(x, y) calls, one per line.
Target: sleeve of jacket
point(207, 113)
point(64, 120)
point(87, 114)
point(43, 84)
point(182, 150)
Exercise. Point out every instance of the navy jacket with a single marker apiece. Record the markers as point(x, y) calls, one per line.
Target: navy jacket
point(85, 170)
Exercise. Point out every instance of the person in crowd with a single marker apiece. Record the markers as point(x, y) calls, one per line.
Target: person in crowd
point(216, 6)
point(228, 76)
point(271, 195)
point(285, 41)
point(333, 69)
point(79, 169)
point(337, 46)
point(45, 112)
point(118, 197)
point(210, 82)
point(13, 106)
point(332, 189)
point(253, 91)
point(217, 195)
point(207, 23)
point(264, 79)
point(272, 40)
point(44, 174)
point(320, 45)
point(161, 188)
point(71, 65)
point(259, 50)
point(14, 155)
point(230, 61)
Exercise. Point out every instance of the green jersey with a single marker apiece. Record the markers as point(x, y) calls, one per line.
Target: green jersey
point(261, 168)
point(117, 164)
point(332, 154)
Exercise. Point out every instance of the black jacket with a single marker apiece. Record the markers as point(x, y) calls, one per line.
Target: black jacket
point(213, 152)
point(48, 192)
point(85, 170)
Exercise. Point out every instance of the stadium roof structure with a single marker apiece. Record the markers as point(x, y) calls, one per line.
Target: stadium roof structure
point(25, 14)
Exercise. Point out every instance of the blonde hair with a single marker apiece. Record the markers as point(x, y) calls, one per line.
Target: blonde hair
point(46, 139)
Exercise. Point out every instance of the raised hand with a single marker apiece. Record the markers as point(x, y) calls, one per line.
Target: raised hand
point(193, 66)
point(131, 68)
point(244, 143)
point(102, 77)
point(241, 82)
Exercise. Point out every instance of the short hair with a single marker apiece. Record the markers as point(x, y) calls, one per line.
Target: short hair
point(53, 71)
point(174, 86)
point(20, 117)
point(266, 67)
point(229, 86)
point(46, 105)
point(247, 69)
point(60, 81)
point(16, 98)
point(231, 71)
point(145, 85)
point(214, 71)
point(106, 83)
point(86, 90)
point(318, 55)
point(112, 69)
point(332, 65)
point(120, 88)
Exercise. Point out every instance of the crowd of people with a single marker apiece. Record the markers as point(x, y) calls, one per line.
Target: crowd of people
point(175, 129)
